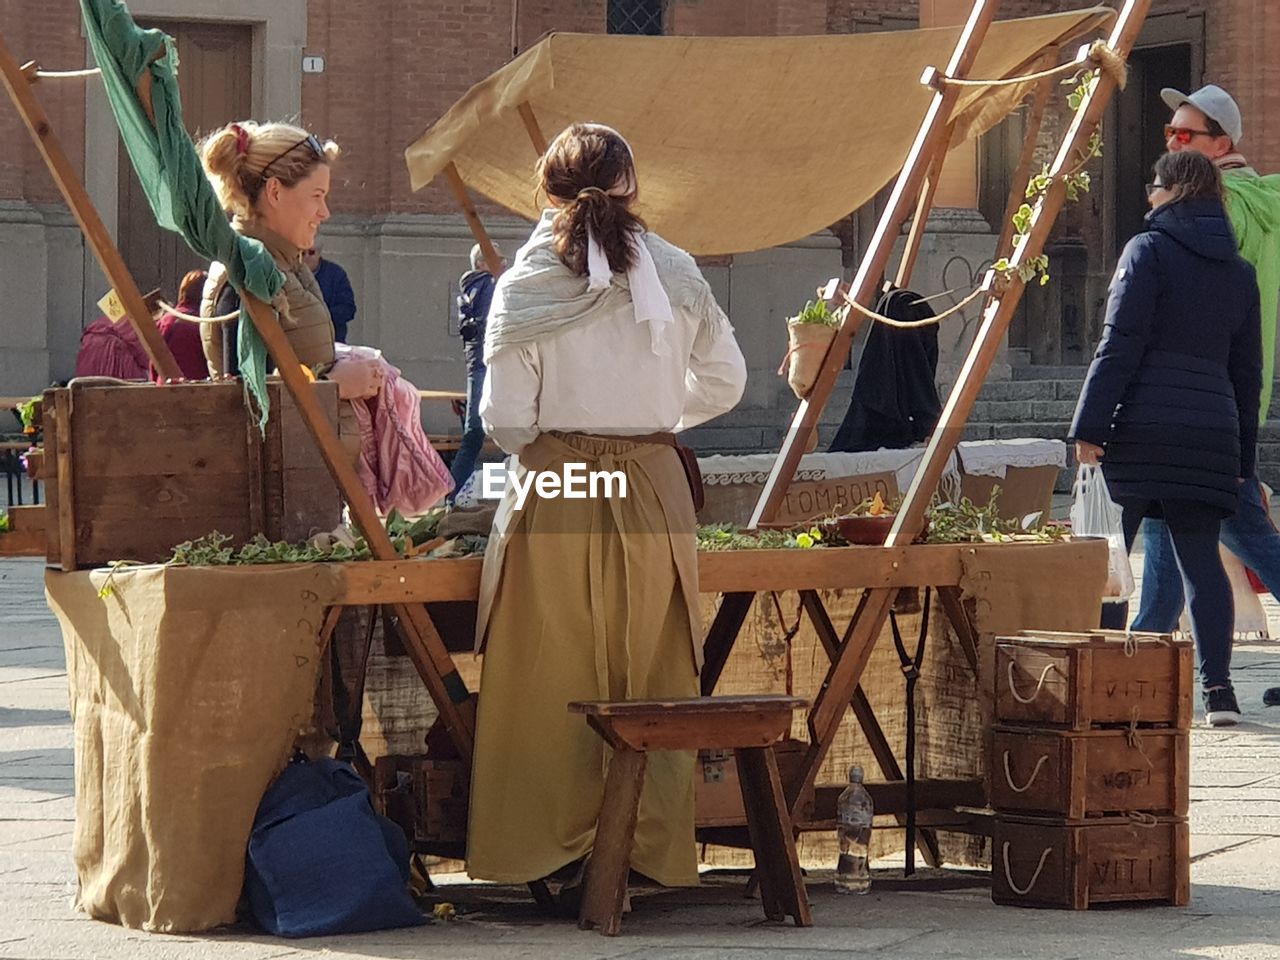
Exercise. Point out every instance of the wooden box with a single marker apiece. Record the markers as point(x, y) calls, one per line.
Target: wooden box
point(1078, 774)
point(1047, 863)
point(1079, 680)
point(426, 798)
point(717, 793)
point(133, 470)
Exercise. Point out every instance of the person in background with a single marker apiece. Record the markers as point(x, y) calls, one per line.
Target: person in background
point(1208, 122)
point(1170, 403)
point(476, 294)
point(183, 336)
point(335, 287)
point(603, 340)
point(111, 350)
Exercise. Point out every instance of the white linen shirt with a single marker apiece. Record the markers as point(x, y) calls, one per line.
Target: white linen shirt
point(602, 377)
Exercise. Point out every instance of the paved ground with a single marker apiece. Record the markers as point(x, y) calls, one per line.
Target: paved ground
point(1235, 910)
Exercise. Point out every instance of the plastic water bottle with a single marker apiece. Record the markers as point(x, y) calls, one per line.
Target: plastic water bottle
point(855, 812)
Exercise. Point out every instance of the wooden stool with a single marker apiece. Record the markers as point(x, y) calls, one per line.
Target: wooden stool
point(748, 726)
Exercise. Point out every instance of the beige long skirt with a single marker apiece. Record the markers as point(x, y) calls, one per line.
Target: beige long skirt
point(590, 605)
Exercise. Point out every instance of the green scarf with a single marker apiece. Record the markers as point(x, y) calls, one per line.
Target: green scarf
point(169, 170)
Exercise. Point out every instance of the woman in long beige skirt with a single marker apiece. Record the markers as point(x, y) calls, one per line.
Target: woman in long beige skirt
point(602, 340)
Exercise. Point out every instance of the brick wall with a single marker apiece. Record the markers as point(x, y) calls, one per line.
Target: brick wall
point(46, 33)
point(392, 69)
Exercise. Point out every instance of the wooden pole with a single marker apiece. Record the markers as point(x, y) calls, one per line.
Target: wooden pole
point(422, 642)
point(930, 141)
point(492, 258)
point(844, 675)
point(536, 136)
point(919, 221)
point(17, 81)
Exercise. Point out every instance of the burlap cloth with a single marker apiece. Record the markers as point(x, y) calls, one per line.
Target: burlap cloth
point(188, 688)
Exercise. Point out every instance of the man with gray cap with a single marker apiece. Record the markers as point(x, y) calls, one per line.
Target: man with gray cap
point(1208, 121)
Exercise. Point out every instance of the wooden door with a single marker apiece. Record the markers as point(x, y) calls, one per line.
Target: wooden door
point(1140, 119)
point(215, 76)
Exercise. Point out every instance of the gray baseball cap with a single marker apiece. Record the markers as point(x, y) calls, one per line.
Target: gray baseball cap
point(1214, 102)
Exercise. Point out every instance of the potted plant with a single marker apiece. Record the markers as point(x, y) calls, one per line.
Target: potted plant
point(809, 334)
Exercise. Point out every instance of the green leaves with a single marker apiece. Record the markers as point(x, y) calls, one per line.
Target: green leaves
point(1075, 183)
point(817, 312)
point(1084, 84)
point(214, 550)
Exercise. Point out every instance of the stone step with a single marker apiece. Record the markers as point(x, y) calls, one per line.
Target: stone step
point(1037, 372)
point(1023, 411)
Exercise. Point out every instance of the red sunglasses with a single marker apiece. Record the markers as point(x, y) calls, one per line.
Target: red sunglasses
point(1183, 135)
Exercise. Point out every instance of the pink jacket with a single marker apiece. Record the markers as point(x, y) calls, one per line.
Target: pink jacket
point(398, 466)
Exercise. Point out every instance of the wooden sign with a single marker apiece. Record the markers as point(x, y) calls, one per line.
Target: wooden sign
point(812, 499)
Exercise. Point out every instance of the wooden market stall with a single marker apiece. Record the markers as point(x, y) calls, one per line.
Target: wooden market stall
point(487, 143)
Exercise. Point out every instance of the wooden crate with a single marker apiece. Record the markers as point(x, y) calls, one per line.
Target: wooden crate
point(1048, 863)
point(1077, 774)
point(1079, 680)
point(132, 470)
point(426, 798)
point(717, 794)
point(26, 536)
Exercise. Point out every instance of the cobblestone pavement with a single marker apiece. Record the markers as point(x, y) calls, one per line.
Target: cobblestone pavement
point(1234, 913)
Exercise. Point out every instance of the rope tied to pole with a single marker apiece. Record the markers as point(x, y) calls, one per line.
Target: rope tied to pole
point(850, 303)
point(1100, 52)
point(67, 74)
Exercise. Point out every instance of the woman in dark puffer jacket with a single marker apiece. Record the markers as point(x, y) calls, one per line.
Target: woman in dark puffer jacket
point(1170, 404)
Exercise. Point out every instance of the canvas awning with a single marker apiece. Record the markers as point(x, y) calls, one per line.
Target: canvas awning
point(741, 143)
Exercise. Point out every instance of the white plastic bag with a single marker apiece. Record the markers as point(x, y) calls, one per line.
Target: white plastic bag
point(1095, 514)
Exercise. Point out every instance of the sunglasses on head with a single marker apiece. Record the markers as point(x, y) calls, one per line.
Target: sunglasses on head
point(311, 140)
point(1183, 135)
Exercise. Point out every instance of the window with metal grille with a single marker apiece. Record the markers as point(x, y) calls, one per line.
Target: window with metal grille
point(642, 17)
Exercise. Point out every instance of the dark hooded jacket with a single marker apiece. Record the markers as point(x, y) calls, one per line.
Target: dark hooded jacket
point(474, 299)
point(1172, 394)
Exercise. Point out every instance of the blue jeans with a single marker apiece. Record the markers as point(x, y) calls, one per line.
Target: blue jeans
point(1249, 534)
point(1192, 554)
point(464, 461)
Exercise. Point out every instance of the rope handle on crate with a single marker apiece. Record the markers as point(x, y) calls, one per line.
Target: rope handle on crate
point(1035, 772)
point(1008, 874)
point(1013, 687)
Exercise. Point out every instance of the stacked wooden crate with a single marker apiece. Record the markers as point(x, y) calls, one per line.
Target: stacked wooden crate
point(1090, 768)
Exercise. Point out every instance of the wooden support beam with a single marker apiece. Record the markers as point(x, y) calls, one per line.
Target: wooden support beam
point(492, 259)
point(720, 638)
point(846, 672)
point(920, 219)
point(958, 616)
point(881, 749)
point(930, 141)
point(421, 641)
point(536, 136)
point(999, 312)
point(737, 573)
point(17, 81)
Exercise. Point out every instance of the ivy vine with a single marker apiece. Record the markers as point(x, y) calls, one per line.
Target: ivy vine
point(1076, 180)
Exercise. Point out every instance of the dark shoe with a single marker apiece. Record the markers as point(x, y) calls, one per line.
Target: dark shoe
point(1272, 697)
point(1220, 707)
